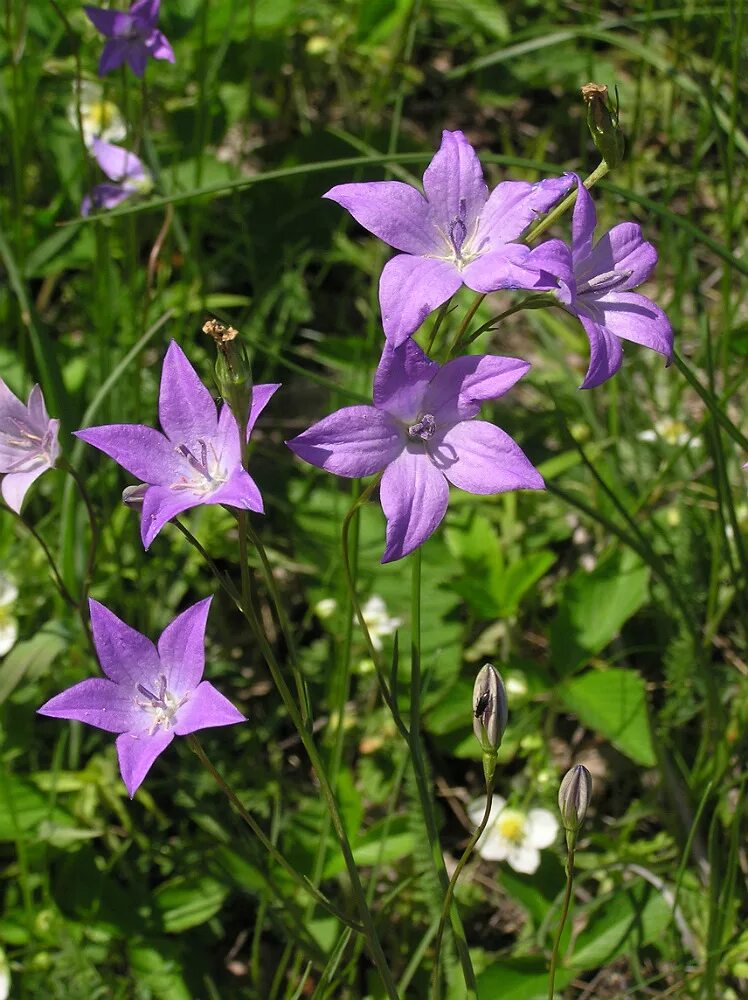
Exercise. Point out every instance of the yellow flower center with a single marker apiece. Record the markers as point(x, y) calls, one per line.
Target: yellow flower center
point(100, 114)
point(511, 825)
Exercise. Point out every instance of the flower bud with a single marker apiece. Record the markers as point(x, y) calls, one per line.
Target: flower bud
point(233, 370)
point(132, 496)
point(490, 709)
point(573, 798)
point(602, 121)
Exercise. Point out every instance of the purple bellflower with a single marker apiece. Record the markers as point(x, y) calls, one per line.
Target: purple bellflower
point(596, 282)
point(150, 693)
point(197, 458)
point(421, 432)
point(456, 234)
point(132, 36)
point(28, 443)
point(124, 169)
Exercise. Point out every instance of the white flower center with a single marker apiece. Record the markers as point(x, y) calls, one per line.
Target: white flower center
point(459, 242)
point(207, 465)
point(511, 826)
point(161, 705)
point(25, 446)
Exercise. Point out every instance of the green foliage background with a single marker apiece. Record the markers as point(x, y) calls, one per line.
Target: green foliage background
point(615, 601)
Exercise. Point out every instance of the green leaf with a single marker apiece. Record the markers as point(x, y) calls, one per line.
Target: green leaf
point(23, 808)
point(156, 967)
point(519, 979)
point(38, 652)
point(628, 920)
point(613, 702)
point(184, 903)
point(384, 841)
point(595, 606)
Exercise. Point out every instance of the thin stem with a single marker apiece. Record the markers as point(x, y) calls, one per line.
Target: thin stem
point(437, 325)
point(59, 583)
point(435, 990)
point(197, 748)
point(419, 766)
point(285, 625)
point(250, 614)
point(465, 324)
point(223, 580)
point(562, 920)
point(597, 174)
point(92, 520)
point(531, 302)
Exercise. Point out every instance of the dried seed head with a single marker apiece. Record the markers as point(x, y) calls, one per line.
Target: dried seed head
point(490, 709)
point(233, 370)
point(220, 333)
point(602, 121)
point(574, 796)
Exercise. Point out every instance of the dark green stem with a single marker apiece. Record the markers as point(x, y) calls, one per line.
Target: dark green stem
point(562, 920)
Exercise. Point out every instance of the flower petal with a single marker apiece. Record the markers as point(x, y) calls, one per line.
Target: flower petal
point(541, 828)
point(146, 11)
point(205, 708)
point(185, 407)
point(606, 353)
point(158, 46)
point(395, 212)
point(143, 451)
point(554, 263)
point(402, 377)
point(622, 248)
point(97, 702)
point(11, 406)
point(104, 196)
point(112, 56)
point(261, 396)
point(239, 491)
point(137, 753)
point(513, 205)
point(107, 21)
point(506, 267)
point(583, 222)
point(117, 163)
point(481, 458)
point(126, 656)
point(136, 55)
point(457, 391)
point(454, 184)
point(477, 807)
point(523, 858)
point(355, 441)
point(37, 410)
point(409, 289)
point(161, 504)
point(16, 484)
point(636, 318)
point(414, 496)
point(181, 648)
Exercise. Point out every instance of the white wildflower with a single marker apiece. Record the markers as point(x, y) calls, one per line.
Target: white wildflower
point(512, 835)
point(8, 624)
point(378, 621)
point(100, 119)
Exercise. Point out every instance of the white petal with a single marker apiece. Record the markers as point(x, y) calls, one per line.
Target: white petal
point(8, 635)
point(524, 858)
point(541, 829)
point(478, 806)
point(492, 846)
point(8, 591)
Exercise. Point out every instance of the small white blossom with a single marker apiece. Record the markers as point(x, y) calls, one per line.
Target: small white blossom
point(4, 976)
point(325, 608)
point(378, 622)
point(673, 432)
point(512, 835)
point(8, 624)
point(100, 119)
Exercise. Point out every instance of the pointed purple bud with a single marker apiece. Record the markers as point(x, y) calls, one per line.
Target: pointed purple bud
point(490, 709)
point(573, 799)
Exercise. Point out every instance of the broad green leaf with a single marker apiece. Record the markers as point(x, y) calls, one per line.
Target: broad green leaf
point(613, 702)
point(629, 920)
point(519, 979)
point(385, 842)
point(595, 606)
point(184, 903)
point(38, 653)
point(157, 967)
point(23, 808)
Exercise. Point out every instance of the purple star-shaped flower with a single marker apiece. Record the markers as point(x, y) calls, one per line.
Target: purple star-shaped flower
point(457, 234)
point(595, 285)
point(151, 693)
point(421, 432)
point(197, 460)
point(132, 36)
point(28, 443)
point(125, 169)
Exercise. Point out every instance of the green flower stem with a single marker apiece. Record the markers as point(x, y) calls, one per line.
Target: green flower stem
point(93, 521)
point(540, 301)
point(367, 921)
point(285, 625)
point(422, 780)
point(562, 919)
point(464, 325)
point(56, 575)
point(226, 584)
point(435, 987)
point(437, 324)
point(197, 748)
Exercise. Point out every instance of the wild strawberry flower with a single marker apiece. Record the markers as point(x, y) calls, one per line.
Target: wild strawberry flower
point(127, 172)
point(512, 835)
point(596, 282)
point(8, 623)
point(456, 234)
point(421, 432)
point(378, 621)
point(132, 36)
point(100, 118)
point(150, 693)
point(28, 443)
point(197, 458)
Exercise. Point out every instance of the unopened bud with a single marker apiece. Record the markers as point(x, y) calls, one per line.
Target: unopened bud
point(233, 370)
point(602, 121)
point(573, 799)
point(132, 496)
point(490, 709)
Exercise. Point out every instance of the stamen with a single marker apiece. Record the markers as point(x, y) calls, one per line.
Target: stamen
point(605, 282)
point(458, 229)
point(424, 428)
